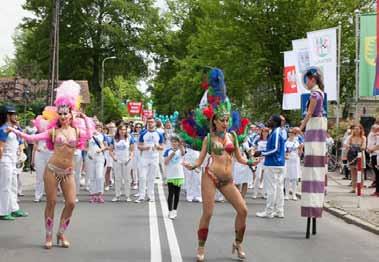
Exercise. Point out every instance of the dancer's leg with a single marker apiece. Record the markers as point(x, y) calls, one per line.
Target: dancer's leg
point(69, 194)
point(232, 194)
point(51, 185)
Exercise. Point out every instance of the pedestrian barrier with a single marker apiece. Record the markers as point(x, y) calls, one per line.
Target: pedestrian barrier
point(359, 177)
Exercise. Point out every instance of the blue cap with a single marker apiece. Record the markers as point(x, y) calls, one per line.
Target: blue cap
point(9, 109)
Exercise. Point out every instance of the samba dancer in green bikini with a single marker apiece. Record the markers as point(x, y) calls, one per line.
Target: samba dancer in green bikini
point(222, 146)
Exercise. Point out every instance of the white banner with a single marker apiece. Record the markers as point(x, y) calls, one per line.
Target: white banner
point(323, 54)
point(302, 63)
point(291, 95)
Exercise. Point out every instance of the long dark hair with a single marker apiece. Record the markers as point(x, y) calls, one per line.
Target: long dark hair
point(3, 118)
point(317, 77)
point(117, 136)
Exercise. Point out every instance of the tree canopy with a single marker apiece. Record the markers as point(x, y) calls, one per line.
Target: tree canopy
point(244, 38)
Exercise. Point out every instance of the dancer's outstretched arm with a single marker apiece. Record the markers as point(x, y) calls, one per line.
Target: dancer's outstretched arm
point(31, 138)
point(200, 160)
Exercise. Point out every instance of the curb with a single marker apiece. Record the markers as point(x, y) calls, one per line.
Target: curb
point(351, 219)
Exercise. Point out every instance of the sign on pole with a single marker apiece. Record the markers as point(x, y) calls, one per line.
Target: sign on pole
point(291, 98)
point(134, 108)
point(367, 61)
point(323, 54)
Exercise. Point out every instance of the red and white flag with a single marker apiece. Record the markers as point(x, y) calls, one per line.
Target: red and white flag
point(291, 96)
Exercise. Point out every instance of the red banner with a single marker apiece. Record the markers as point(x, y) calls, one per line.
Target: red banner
point(134, 108)
point(290, 84)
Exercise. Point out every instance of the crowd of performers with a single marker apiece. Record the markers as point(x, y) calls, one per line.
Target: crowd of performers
point(214, 155)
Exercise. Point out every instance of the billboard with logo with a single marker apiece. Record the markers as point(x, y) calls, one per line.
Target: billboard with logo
point(323, 54)
point(368, 56)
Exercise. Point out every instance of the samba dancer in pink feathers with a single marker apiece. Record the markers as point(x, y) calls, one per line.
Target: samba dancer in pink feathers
point(68, 131)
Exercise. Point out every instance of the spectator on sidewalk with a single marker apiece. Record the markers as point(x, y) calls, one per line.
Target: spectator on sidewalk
point(345, 168)
point(355, 143)
point(373, 150)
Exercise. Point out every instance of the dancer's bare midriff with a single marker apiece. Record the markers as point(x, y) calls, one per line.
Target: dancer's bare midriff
point(220, 169)
point(63, 156)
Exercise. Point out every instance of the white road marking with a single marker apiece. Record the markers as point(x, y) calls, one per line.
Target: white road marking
point(155, 243)
point(173, 244)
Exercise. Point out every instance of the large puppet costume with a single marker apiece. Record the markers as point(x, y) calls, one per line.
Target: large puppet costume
point(68, 130)
point(213, 128)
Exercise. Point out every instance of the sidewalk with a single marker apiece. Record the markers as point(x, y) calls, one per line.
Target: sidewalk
point(362, 211)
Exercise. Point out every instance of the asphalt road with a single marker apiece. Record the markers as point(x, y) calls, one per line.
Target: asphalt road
point(142, 232)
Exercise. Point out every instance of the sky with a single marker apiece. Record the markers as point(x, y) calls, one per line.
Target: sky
point(11, 14)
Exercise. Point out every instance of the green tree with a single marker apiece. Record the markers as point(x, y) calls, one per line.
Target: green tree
point(89, 32)
point(245, 39)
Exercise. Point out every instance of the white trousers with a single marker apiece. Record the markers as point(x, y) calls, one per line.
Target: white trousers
point(257, 180)
point(273, 183)
point(78, 171)
point(193, 184)
point(122, 177)
point(148, 171)
point(95, 171)
point(135, 168)
point(40, 160)
point(8, 188)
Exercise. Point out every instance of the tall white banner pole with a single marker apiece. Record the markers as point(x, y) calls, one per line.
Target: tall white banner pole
point(338, 80)
point(357, 32)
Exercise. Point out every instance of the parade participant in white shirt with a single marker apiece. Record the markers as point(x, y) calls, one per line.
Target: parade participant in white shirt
point(161, 131)
point(40, 158)
point(292, 162)
point(242, 173)
point(150, 143)
point(122, 153)
point(95, 164)
point(137, 155)
point(175, 175)
point(258, 181)
point(9, 145)
point(192, 179)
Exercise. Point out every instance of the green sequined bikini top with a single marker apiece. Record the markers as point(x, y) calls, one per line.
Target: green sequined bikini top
point(218, 148)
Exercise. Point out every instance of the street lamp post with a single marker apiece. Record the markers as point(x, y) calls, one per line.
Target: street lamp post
point(102, 85)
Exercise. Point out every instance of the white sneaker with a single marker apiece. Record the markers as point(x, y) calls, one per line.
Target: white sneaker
point(136, 195)
point(264, 214)
point(286, 197)
point(189, 199)
point(36, 200)
point(151, 199)
point(279, 214)
point(174, 214)
point(134, 187)
point(76, 200)
point(254, 196)
point(106, 188)
point(128, 199)
point(294, 197)
point(139, 200)
point(115, 199)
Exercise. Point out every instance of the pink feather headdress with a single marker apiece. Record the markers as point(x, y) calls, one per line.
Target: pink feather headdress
point(68, 94)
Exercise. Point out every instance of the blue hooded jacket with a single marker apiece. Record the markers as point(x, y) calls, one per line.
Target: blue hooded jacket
point(275, 152)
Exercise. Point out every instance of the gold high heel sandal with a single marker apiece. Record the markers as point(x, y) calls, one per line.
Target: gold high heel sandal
point(48, 242)
point(62, 241)
point(200, 257)
point(237, 247)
